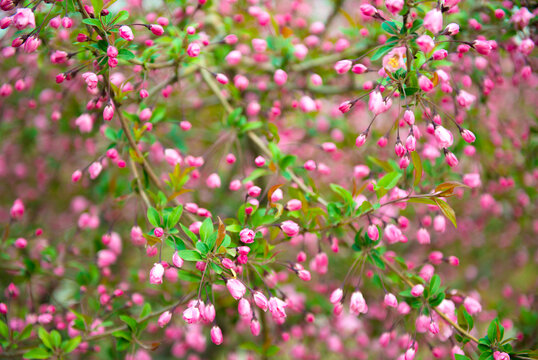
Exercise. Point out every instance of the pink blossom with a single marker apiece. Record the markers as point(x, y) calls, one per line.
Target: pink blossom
point(156, 274)
point(433, 21)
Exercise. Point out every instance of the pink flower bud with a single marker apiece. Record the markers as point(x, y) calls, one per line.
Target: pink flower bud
point(156, 274)
point(367, 10)
point(247, 236)
point(425, 84)
point(236, 288)
point(390, 300)
point(193, 50)
point(255, 327)
point(108, 112)
point(452, 29)
point(290, 228)
point(343, 66)
point(216, 335)
point(468, 136)
point(21, 243)
point(433, 21)
point(373, 232)
point(361, 139)
point(164, 319)
point(260, 300)
point(176, 260)
point(417, 290)
point(191, 315)
point(359, 69)
point(77, 174)
point(156, 29)
point(336, 296)
point(221, 78)
point(126, 33)
point(280, 77)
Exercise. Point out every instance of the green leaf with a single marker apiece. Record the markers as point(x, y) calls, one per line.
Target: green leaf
point(461, 357)
point(446, 210)
point(190, 255)
point(122, 16)
point(37, 353)
point(390, 27)
point(97, 6)
point(125, 54)
point(45, 337)
point(146, 310)
point(204, 249)
point(25, 333)
point(153, 217)
point(435, 283)
point(92, 22)
point(381, 51)
point(129, 321)
point(71, 344)
point(56, 338)
point(174, 217)
point(4, 330)
point(417, 164)
point(272, 350)
point(123, 334)
point(110, 134)
point(189, 233)
point(206, 229)
point(388, 181)
point(344, 193)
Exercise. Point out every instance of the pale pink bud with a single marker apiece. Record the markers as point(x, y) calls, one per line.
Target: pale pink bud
point(433, 21)
point(280, 77)
point(290, 228)
point(343, 66)
point(390, 300)
point(156, 274)
point(425, 84)
point(193, 50)
point(126, 33)
point(255, 327)
point(336, 296)
point(260, 300)
point(373, 232)
point(417, 290)
point(164, 319)
point(191, 315)
point(216, 335)
point(247, 236)
point(236, 288)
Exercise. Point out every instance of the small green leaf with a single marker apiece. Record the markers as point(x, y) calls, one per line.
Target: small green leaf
point(189, 233)
point(417, 164)
point(381, 51)
point(435, 283)
point(146, 310)
point(174, 217)
point(153, 217)
point(190, 255)
point(37, 353)
point(461, 357)
point(129, 321)
point(45, 337)
point(125, 54)
point(122, 16)
point(92, 22)
point(206, 229)
point(71, 344)
point(56, 338)
point(4, 330)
